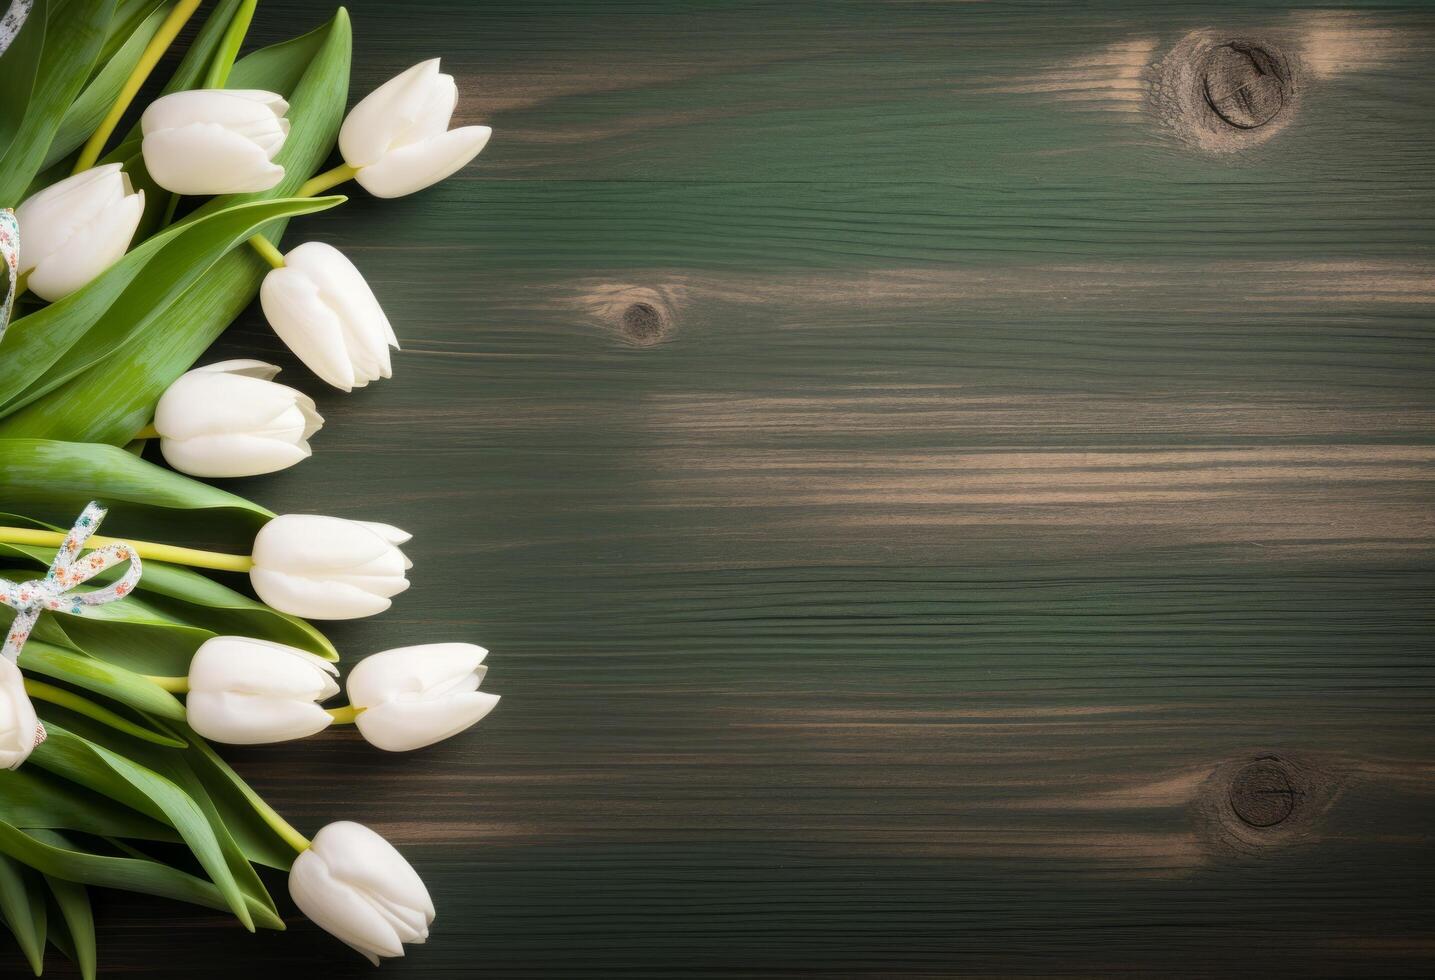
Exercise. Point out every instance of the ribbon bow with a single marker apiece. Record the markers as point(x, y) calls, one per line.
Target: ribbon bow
point(67, 571)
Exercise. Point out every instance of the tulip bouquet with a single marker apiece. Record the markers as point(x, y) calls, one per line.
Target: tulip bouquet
point(129, 251)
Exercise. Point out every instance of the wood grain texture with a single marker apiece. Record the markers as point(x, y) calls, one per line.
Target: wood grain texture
point(905, 484)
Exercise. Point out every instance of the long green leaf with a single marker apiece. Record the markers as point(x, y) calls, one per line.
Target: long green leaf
point(22, 905)
point(142, 875)
point(107, 679)
point(19, 67)
point(116, 776)
point(112, 400)
point(32, 798)
point(73, 901)
point(90, 107)
point(49, 347)
point(75, 30)
point(52, 481)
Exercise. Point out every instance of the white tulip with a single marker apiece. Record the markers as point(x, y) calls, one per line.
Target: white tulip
point(18, 724)
point(320, 305)
point(72, 231)
point(244, 691)
point(214, 141)
point(327, 567)
point(415, 696)
point(398, 138)
point(354, 885)
point(230, 419)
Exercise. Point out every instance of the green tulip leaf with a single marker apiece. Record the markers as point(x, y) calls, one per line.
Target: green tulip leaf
point(73, 33)
point(52, 481)
point(110, 680)
point(22, 905)
point(74, 933)
point(113, 775)
point(32, 798)
point(135, 874)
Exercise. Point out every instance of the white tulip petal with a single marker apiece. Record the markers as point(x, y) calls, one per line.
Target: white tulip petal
point(226, 107)
point(205, 158)
point(412, 168)
point(411, 670)
point(17, 717)
point(315, 599)
point(370, 127)
point(230, 457)
point(343, 290)
point(91, 250)
point(252, 719)
point(339, 911)
point(365, 861)
point(248, 367)
point(309, 328)
point(253, 666)
point(402, 726)
point(51, 217)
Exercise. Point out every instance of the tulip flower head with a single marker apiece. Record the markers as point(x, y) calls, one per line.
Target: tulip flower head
point(327, 567)
point(215, 141)
point(72, 231)
point(322, 308)
point(398, 138)
point(18, 724)
point(415, 696)
point(247, 692)
point(354, 885)
point(229, 419)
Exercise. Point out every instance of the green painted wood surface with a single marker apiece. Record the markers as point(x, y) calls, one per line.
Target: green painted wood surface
point(1006, 474)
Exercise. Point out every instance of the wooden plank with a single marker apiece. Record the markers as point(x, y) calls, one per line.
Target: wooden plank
point(932, 514)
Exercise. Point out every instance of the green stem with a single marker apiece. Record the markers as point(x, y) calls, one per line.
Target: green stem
point(219, 69)
point(148, 432)
point(267, 251)
point(153, 51)
point(174, 685)
point(145, 549)
point(22, 284)
point(319, 183)
point(345, 715)
point(83, 706)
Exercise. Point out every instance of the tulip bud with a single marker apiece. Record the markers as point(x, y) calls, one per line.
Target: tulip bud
point(320, 305)
point(72, 231)
point(354, 885)
point(398, 138)
point(18, 724)
point(214, 141)
point(327, 567)
point(245, 692)
point(229, 419)
point(415, 696)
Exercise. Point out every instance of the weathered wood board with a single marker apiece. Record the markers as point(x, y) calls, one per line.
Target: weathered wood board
point(908, 478)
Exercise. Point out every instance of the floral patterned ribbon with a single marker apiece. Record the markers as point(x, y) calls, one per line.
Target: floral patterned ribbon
point(67, 571)
point(13, 20)
point(10, 253)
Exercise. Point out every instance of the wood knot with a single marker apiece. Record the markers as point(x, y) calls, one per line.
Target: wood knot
point(1261, 793)
point(1224, 93)
point(640, 316)
point(1252, 804)
point(1245, 84)
point(642, 323)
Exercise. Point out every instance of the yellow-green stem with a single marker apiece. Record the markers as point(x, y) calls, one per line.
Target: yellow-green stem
point(267, 251)
point(22, 284)
point(148, 432)
point(344, 715)
point(153, 51)
point(278, 824)
point(319, 183)
point(40, 691)
point(174, 685)
point(219, 69)
point(145, 549)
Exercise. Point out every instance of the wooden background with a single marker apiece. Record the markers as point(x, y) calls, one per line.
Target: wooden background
point(908, 487)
